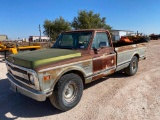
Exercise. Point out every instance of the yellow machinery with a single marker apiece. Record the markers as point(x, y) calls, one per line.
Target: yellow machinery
point(14, 48)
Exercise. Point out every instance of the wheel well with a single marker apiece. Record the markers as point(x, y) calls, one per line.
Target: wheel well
point(78, 73)
point(137, 56)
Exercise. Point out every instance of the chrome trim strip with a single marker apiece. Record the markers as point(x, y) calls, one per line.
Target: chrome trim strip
point(52, 68)
point(123, 63)
point(102, 71)
point(105, 70)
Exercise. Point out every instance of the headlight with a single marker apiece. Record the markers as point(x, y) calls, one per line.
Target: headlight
point(31, 79)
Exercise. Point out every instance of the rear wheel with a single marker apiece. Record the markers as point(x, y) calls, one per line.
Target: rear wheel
point(133, 67)
point(68, 92)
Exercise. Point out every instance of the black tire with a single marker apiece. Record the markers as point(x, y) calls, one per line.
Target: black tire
point(67, 92)
point(133, 67)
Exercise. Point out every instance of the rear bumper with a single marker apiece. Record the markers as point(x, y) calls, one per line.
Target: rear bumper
point(27, 91)
point(142, 58)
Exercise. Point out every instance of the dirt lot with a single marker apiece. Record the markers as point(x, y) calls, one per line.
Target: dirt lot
point(116, 97)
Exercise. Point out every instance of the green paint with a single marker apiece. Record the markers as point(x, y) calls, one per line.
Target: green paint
point(32, 59)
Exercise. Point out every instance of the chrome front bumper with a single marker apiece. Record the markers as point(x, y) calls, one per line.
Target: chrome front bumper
point(27, 91)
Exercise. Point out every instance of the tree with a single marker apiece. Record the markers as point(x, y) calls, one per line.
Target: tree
point(55, 27)
point(89, 20)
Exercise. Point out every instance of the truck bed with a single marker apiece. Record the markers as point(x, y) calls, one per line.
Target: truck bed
point(125, 54)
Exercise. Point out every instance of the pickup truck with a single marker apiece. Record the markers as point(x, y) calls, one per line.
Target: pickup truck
point(78, 57)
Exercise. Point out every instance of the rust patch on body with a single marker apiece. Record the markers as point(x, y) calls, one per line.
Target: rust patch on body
point(103, 75)
point(54, 73)
point(97, 77)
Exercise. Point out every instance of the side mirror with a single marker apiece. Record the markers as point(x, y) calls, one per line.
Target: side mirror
point(95, 50)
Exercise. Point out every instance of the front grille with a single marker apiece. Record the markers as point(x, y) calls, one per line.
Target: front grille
point(19, 78)
point(18, 74)
point(21, 75)
point(17, 69)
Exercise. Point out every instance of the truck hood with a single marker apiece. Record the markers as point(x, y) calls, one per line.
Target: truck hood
point(32, 59)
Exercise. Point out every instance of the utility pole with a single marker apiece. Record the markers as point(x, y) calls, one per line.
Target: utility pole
point(40, 32)
point(49, 34)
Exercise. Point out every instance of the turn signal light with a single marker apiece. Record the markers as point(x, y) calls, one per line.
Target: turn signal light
point(48, 77)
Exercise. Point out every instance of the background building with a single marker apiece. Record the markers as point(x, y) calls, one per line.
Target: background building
point(3, 37)
point(38, 39)
point(116, 34)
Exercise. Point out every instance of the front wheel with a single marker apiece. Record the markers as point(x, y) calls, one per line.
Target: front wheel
point(133, 67)
point(67, 92)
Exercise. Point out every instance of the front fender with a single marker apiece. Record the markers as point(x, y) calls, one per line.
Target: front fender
point(85, 68)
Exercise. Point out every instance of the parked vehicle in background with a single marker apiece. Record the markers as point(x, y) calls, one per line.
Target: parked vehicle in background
point(154, 37)
point(77, 58)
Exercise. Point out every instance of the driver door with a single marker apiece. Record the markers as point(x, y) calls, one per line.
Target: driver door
point(103, 56)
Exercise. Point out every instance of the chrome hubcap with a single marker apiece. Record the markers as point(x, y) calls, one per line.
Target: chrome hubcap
point(134, 65)
point(70, 91)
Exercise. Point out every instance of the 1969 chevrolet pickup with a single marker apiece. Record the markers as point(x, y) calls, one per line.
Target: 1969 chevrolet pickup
point(77, 57)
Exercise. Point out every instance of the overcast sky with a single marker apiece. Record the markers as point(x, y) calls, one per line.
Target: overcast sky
point(20, 18)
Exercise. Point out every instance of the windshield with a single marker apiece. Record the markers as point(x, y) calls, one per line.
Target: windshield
point(73, 40)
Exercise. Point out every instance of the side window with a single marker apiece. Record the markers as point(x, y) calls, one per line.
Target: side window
point(100, 40)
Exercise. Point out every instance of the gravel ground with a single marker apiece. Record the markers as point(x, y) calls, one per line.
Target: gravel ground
point(116, 97)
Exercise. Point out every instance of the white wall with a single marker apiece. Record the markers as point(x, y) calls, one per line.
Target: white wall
point(118, 34)
point(122, 33)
